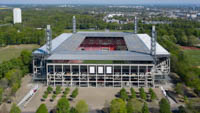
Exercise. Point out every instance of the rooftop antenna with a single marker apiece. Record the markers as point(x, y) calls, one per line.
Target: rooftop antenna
point(48, 38)
point(74, 24)
point(135, 31)
point(153, 43)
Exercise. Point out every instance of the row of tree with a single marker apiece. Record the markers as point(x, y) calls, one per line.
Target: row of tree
point(18, 34)
point(58, 90)
point(132, 104)
point(182, 32)
point(12, 71)
point(63, 106)
point(124, 95)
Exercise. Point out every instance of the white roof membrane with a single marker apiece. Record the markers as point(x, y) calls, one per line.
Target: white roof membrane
point(55, 42)
point(147, 41)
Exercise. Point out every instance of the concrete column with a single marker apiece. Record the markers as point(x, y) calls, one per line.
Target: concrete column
point(62, 76)
point(47, 75)
point(79, 75)
point(104, 75)
point(88, 76)
point(138, 74)
point(146, 84)
point(121, 76)
point(54, 83)
point(129, 75)
point(113, 75)
point(71, 74)
point(96, 79)
point(33, 67)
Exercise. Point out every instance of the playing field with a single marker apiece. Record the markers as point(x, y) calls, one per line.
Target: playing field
point(194, 56)
point(9, 52)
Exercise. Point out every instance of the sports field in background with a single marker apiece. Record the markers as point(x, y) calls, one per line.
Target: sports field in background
point(13, 51)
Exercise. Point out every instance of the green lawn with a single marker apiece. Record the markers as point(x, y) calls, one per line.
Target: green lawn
point(194, 56)
point(9, 52)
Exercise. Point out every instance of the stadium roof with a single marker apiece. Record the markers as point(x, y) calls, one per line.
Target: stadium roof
point(64, 47)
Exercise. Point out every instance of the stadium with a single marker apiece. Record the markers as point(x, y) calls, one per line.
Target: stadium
point(101, 59)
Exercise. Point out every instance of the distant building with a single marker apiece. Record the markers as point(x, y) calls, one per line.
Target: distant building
point(156, 22)
point(17, 15)
point(193, 16)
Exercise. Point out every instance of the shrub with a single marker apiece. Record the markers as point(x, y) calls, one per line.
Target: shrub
point(15, 109)
point(145, 108)
point(123, 94)
point(42, 109)
point(63, 106)
point(58, 90)
point(133, 94)
point(67, 90)
point(64, 95)
point(49, 89)
point(45, 96)
point(74, 93)
point(134, 106)
point(142, 94)
point(81, 107)
point(164, 106)
point(118, 106)
point(153, 95)
point(53, 97)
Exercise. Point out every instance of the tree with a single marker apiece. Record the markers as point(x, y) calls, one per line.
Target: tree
point(74, 93)
point(53, 97)
point(133, 94)
point(192, 40)
point(123, 94)
point(118, 106)
point(49, 89)
point(184, 40)
point(181, 109)
point(134, 106)
point(63, 106)
point(1, 95)
point(14, 77)
point(153, 95)
point(26, 57)
point(142, 94)
point(179, 89)
point(73, 110)
point(42, 109)
point(67, 90)
point(81, 107)
point(45, 96)
point(145, 108)
point(58, 90)
point(164, 106)
point(15, 109)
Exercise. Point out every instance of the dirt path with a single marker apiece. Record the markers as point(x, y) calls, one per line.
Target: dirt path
point(189, 48)
point(26, 86)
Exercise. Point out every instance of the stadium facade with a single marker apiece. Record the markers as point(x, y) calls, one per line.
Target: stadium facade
point(101, 59)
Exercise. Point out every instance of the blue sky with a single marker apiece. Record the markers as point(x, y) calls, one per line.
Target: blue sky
point(100, 1)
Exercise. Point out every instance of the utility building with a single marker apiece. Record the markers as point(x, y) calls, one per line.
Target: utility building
point(17, 15)
point(101, 59)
